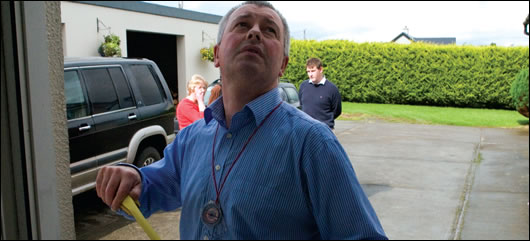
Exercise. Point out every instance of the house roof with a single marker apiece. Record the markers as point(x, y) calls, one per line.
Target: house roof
point(403, 34)
point(437, 40)
point(450, 40)
point(155, 9)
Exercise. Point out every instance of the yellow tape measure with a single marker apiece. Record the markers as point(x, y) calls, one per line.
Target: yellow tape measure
point(129, 206)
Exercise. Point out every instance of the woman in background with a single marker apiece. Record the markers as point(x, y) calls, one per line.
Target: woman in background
point(192, 107)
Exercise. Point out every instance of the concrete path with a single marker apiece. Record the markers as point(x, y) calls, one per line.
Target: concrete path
point(427, 181)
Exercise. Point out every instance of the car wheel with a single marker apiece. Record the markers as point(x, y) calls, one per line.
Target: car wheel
point(149, 155)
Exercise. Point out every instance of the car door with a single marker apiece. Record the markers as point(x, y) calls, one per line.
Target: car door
point(113, 112)
point(153, 101)
point(79, 120)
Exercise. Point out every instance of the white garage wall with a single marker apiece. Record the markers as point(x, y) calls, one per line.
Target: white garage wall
point(81, 37)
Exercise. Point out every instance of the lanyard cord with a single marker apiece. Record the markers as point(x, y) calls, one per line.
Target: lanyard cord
point(218, 191)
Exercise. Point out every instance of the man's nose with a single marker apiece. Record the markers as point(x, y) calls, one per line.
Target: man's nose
point(254, 32)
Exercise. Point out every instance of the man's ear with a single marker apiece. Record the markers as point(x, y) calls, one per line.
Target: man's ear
point(284, 65)
point(216, 56)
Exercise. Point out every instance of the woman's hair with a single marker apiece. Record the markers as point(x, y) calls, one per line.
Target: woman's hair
point(214, 93)
point(196, 80)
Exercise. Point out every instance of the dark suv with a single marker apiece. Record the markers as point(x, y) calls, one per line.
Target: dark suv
point(118, 110)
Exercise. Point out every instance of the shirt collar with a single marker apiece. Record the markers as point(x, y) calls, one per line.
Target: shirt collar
point(215, 110)
point(322, 82)
point(259, 107)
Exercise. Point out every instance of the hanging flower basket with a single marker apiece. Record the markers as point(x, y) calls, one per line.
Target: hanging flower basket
point(207, 54)
point(111, 46)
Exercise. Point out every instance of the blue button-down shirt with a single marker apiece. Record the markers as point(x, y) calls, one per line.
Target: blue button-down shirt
point(293, 180)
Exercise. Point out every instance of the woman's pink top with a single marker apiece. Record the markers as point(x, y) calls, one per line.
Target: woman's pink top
point(188, 112)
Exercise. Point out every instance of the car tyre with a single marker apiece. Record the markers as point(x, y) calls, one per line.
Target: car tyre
point(148, 156)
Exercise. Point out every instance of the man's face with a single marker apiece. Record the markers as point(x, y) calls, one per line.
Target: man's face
point(252, 44)
point(315, 74)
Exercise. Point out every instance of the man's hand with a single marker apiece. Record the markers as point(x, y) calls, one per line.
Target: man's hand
point(114, 183)
point(199, 94)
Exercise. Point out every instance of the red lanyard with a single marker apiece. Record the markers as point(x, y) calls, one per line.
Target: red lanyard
point(218, 191)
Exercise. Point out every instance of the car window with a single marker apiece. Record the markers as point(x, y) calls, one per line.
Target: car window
point(101, 90)
point(283, 94)
point(292, 94)
point(150, 87)
point(124, 92)
point(76, 104)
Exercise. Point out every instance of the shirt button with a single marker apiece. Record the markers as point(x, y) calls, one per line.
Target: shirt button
point(229, 135)
point(205, 237)
point(217, 168)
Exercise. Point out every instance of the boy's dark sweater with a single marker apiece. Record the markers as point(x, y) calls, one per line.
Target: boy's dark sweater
point(322, 102)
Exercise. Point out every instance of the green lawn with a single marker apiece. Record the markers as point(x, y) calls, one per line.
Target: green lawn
point(434, 115)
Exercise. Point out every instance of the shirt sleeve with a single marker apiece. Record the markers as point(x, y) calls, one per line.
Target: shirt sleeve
point(161, 183)
point(340, 206)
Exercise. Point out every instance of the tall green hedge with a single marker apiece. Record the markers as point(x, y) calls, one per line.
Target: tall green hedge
point(418, 73)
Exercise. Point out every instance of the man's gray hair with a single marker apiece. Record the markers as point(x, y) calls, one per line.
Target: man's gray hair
point(286, 33)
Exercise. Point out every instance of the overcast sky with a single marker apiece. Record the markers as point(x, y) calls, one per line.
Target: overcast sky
point(472, 23)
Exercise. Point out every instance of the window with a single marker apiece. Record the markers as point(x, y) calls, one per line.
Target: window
point(124, 92)
point(283, 94)
point(149, 86)
point(76, 104)
point(101, 90)
point(292, 94)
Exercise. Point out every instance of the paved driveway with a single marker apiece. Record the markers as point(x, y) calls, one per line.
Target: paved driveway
point(442, 182)
point(427, 182)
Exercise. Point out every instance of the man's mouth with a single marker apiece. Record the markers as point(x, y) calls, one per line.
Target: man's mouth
point(253, 49)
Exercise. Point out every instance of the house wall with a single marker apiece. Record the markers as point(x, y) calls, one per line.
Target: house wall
point(403, 40)
point(81, 36)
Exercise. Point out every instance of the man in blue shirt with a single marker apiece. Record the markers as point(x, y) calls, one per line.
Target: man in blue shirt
point(254, 167)
point(319, 97)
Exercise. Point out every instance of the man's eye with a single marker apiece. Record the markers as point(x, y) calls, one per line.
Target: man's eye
point(272, 30)
point(242, 24)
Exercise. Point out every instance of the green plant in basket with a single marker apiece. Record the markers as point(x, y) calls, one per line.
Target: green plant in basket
point(207, 54)
point(111, 46)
